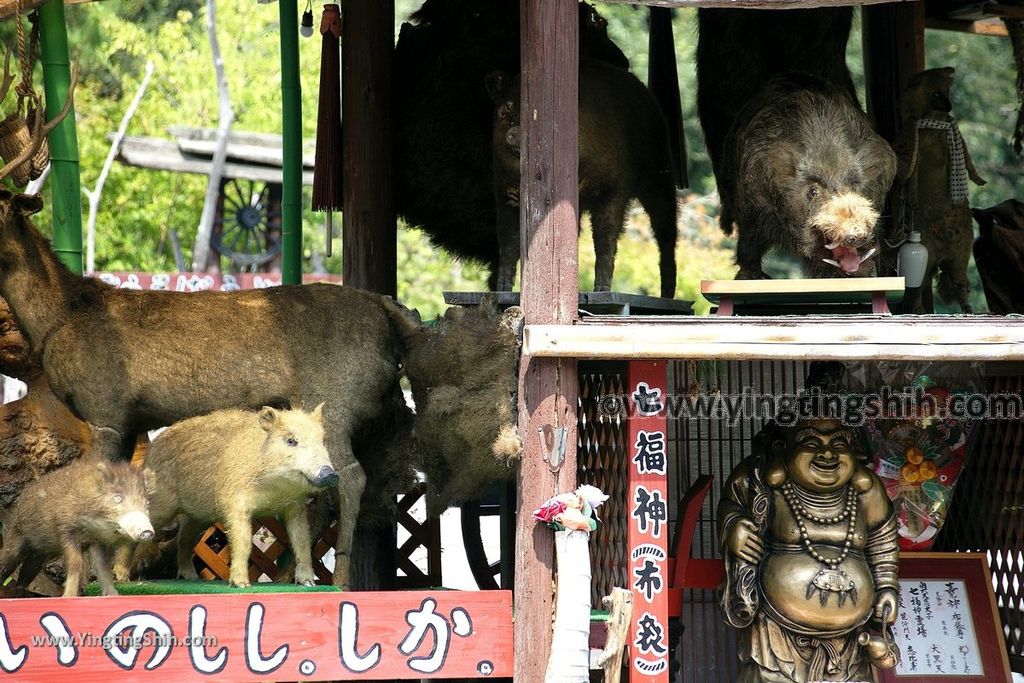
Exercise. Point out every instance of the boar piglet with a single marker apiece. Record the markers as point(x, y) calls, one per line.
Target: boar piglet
point(808, 174)
point(89, 504)
point(233, 465)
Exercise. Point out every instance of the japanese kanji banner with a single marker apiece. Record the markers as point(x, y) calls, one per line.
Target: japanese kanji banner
point(258, 636)
point(647, 534)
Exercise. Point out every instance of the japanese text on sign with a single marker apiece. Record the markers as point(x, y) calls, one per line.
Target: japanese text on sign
point(934, 629)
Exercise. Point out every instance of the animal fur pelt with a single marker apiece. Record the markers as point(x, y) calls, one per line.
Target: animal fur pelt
point(999, 255)
point(464, 375)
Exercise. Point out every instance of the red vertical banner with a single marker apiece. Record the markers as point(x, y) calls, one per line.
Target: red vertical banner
point(648, 521)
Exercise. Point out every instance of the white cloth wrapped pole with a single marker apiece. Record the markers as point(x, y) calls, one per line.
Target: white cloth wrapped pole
point(570, 642)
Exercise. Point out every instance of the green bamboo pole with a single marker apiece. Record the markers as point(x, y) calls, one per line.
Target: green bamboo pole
point(291, 115)
point(65, 183)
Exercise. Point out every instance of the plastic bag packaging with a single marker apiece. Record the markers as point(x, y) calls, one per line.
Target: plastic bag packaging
point(918, 444)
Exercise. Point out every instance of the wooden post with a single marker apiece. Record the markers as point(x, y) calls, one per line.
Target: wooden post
point(369, 232)
point(550, 291)
point(893, 37)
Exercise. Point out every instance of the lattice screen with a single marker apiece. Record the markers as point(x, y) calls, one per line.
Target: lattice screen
point(270, 541)
point(602, 456)
point(987, 513)
point(707, 649)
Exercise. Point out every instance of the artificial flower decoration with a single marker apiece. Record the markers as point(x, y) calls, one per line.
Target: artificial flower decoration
point(575, 511)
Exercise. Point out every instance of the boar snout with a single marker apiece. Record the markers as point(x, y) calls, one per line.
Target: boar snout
point(326, 477)
point(136, 525)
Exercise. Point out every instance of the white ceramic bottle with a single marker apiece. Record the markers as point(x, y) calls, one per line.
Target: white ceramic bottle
point(912, 260)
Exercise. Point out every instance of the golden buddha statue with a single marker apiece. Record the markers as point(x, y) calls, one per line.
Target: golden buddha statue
point(809, 540)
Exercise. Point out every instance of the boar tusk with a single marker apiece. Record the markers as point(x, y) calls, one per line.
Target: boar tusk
point(868, 255)
point(832, 262)
point(832, 246)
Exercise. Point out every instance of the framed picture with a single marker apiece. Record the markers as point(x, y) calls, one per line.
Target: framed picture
point(947, 626)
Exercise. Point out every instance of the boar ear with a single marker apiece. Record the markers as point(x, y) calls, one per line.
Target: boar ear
point(496, 85)
point(267, 418)
point(28, 203)
point(318, 413)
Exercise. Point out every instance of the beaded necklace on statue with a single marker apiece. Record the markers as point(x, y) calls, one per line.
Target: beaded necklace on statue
point(830, 579)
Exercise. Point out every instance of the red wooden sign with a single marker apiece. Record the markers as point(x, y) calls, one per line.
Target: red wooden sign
point(648, 521)
point(258, 636)
point(196, 282)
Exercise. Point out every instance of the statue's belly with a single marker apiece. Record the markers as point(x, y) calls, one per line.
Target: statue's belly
point(785, 579)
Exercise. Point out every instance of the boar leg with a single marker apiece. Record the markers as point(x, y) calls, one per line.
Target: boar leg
point(953, 282)
point(606, 219)
point(508, 246)
point(352, 481)
point(101, 566)
point(659, 201)
point(238, 524)
point(297, 525)
point(123, 563)
point(749, 252)
point(30, 569)
point(926, 292)
point(13, 554)
point(189, 531)
point(74, 563)
point(111, 444)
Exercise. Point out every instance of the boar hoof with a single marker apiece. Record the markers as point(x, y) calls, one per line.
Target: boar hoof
point(188, 573)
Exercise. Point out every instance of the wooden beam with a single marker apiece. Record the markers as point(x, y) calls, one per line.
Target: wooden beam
point(369, 229)
point(990, 27)
point(893, 36)
point(548, 223)
point(921, 338)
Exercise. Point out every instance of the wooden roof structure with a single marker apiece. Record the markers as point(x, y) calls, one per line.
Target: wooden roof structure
point(252, 156)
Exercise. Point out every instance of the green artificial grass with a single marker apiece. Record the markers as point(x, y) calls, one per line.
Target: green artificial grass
point(181, 587)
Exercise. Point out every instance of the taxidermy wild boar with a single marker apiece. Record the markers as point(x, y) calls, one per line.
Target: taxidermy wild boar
point(740, 50)
point(623, 155)
point(443, 115)
point(464, 375)
point(128, 361)
point(805, 172)
point(933, 171)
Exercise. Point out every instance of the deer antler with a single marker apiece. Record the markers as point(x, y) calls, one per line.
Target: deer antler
point(40, 129)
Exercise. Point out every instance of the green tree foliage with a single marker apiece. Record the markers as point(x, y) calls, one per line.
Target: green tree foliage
point(111, 42)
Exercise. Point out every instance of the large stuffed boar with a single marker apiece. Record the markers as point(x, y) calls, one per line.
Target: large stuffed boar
point(443, 115)
point(624, 155)
point(805, 172)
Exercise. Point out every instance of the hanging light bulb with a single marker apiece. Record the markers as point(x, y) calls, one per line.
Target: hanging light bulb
point(306, 25)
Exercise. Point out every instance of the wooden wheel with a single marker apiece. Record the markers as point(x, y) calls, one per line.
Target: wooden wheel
point(246, 229)
point(485, 572)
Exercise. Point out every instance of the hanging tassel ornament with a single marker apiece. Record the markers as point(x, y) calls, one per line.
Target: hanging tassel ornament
point(327, 167)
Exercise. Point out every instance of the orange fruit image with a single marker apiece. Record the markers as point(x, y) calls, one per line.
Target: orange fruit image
point(914, 455)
